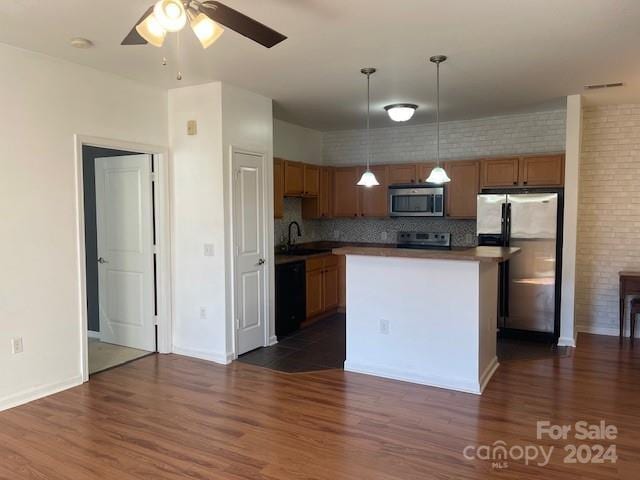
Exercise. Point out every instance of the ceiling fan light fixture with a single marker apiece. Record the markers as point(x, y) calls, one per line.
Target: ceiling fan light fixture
point(401, 112)
point(205, 29)
point(170, 14)
point(151, 30)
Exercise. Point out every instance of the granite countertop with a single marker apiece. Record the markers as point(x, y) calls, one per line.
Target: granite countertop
point(324, 248)
point(478, 254)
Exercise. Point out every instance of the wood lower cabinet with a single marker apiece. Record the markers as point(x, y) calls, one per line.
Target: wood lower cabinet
point(311, 181)
point(293, 179)
point(278, 188)
point(374, 201)
point(314, 292)
point(500, 172)
point(323, 285)
point(342, 282)
point(462, 192)
point(346, 194)
point(542, 171)
point(407, 173)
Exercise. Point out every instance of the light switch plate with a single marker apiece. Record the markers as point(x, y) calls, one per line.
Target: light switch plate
point(192, 127)
point(16, 345)
point(208, 250)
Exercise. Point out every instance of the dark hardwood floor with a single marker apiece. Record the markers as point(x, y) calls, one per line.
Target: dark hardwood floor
point(171, 417)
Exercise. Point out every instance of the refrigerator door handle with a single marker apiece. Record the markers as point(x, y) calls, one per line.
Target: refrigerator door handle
point(507, 233)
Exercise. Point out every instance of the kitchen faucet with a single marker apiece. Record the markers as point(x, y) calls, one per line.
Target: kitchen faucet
point(289, 243)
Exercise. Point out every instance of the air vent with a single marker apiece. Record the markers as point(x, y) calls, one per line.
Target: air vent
point(603, 85)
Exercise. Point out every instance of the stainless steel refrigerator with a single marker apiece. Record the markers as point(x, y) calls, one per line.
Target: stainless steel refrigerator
point(529, 290)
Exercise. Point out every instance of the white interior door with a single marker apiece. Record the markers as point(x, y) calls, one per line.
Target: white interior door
point(125, 251)
point(248, 222)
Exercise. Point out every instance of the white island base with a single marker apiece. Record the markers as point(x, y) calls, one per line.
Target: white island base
point(424, 320)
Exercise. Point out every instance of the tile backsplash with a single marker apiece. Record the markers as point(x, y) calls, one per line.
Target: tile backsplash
point(384, 230)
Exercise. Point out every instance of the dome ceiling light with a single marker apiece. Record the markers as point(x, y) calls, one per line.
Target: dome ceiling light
point(401, 112)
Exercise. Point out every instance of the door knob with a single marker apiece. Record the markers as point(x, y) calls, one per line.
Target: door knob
point(261, 261)
point(102, 260)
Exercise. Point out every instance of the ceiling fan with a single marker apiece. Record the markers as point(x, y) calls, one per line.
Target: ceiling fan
point(206, 19)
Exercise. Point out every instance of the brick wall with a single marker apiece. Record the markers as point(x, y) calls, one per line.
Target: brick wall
point(538, 132)
point(608, 213)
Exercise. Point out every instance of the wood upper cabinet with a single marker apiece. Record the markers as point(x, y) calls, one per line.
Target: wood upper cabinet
point(406, 173)
point(424, 170)
point(499, 172)
point(293, 179)
point(278, 188)
point(311, 181)
point(374, 201)
point(529, 171)
point(320, 206)
point(542, 171)
point(461, 192)
point(346, 194)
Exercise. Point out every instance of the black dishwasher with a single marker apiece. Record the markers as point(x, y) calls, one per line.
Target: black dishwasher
point(291, 302)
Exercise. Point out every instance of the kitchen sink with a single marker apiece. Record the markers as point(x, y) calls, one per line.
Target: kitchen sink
point(305, 251)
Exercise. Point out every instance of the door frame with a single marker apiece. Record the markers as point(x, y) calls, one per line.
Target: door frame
point(267, 202)
point(163, 239)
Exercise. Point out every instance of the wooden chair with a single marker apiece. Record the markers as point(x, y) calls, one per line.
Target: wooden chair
point(635, 310)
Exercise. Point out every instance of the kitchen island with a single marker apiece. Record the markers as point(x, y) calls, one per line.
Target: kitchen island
point(424, 316)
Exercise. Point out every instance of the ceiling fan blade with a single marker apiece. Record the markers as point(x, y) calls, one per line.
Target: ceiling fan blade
point(242, 24)
point(134, 38)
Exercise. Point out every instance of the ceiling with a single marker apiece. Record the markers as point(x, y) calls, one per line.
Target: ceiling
point(504, 56)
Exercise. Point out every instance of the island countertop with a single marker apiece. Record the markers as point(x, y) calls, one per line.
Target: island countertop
point(475, 254)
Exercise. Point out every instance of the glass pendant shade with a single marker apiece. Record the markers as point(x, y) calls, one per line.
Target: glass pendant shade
point(206, 30)
point(368, 179)
point(151, 30)
point(401, 112)
point(438, 175)
point(170, 14)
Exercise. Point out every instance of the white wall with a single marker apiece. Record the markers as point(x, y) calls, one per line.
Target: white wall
point(247, 124)
point(571, 184)
point(609, 215)
point(227, 117)
point(45, 102)
point(198, 218)
point(293, 142)
point(476, 138)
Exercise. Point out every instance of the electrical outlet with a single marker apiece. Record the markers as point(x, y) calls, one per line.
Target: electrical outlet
point(384, 327)
point(468, 238)
point(16, 345)
point(208, 250)
point(203, 313)
point(336, 234)
point(383, 236)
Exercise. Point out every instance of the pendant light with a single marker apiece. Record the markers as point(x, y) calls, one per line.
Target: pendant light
point(368, 179)
point(438, 175)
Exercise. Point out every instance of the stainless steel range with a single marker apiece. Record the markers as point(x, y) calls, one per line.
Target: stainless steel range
point(432, 241)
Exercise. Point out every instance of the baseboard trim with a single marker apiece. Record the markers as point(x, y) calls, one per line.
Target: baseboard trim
point(597, 330)
point(460, 385)
point(566, 342)
point(92, 334)
point(273, 340)
point(35, 393)
point(488, 373)
point(217, 357)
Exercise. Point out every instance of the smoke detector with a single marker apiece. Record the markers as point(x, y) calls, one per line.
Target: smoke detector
point(79, 42)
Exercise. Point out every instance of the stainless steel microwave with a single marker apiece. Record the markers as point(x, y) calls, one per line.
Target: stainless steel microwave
point(416, 200)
